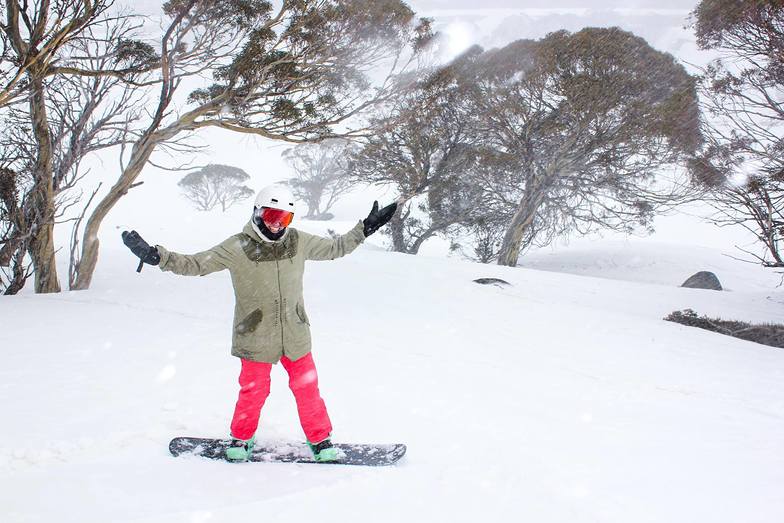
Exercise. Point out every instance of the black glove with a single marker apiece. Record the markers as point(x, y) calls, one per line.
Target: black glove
point(377, 218)
point(141, 248)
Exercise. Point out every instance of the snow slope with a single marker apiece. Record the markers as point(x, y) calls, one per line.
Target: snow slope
point(562, 397)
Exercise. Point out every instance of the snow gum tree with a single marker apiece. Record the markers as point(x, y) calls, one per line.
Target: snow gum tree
point(578, 126)
point(742, 164)
point(297, 71)
point(60, 61)
point(214, 185)
point(423, 146)
point(321, 174)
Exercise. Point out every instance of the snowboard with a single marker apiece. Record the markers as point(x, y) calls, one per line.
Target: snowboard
point(289, 452)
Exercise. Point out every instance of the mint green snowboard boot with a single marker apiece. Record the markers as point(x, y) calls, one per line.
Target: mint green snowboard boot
point(240, 449)
point(323, 451)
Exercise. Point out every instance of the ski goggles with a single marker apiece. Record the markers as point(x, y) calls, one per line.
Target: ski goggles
point(275, 217)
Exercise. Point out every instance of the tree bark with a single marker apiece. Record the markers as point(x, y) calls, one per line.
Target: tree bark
point(522, 219)
point(396, 225)
point(513, 239)
point(41, 206)
point(19, 277)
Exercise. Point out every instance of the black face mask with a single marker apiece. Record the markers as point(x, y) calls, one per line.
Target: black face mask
point(265, 231)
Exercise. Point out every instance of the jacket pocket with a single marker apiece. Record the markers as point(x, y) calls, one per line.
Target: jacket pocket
point(301, 314)
point(249, 323)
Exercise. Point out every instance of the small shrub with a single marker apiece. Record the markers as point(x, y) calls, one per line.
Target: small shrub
point(766, 333)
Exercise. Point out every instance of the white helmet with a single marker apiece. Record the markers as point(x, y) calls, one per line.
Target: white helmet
point(276, 197)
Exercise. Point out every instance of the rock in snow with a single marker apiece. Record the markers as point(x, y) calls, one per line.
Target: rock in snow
point(703, 280)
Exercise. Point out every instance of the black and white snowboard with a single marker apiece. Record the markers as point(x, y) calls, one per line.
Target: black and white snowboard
point(287, 452)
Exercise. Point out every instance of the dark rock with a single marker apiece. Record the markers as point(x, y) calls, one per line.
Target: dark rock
point(491, 281)
point(703, 280)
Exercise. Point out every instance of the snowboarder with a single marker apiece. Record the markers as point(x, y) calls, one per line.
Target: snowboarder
point(266, 261)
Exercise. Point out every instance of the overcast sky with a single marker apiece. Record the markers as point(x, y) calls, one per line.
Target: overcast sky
point(515, 4)
point(151, 6)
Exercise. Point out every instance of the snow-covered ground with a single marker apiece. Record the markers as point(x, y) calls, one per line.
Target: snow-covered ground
point(563, 397)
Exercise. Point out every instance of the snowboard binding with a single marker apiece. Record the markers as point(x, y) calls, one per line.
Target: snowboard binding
point(240, 449)
point(323, 451)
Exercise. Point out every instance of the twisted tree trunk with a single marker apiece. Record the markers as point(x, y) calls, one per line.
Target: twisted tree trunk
point(513, 239)
point(41, 207)
point(396, 230)
point(523, 218)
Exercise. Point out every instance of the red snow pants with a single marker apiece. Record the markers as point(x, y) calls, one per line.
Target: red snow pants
point(303, 382)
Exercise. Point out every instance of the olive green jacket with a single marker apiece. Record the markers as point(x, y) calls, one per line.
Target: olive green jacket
point(269, 312)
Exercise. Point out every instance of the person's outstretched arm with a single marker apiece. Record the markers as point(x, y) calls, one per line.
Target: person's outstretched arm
point(199, 264)
point(318, 248)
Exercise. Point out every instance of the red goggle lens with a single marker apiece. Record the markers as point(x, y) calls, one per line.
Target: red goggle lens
point(275, 217)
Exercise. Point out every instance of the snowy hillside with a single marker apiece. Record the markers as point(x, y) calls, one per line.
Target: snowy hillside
point(559, 398)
